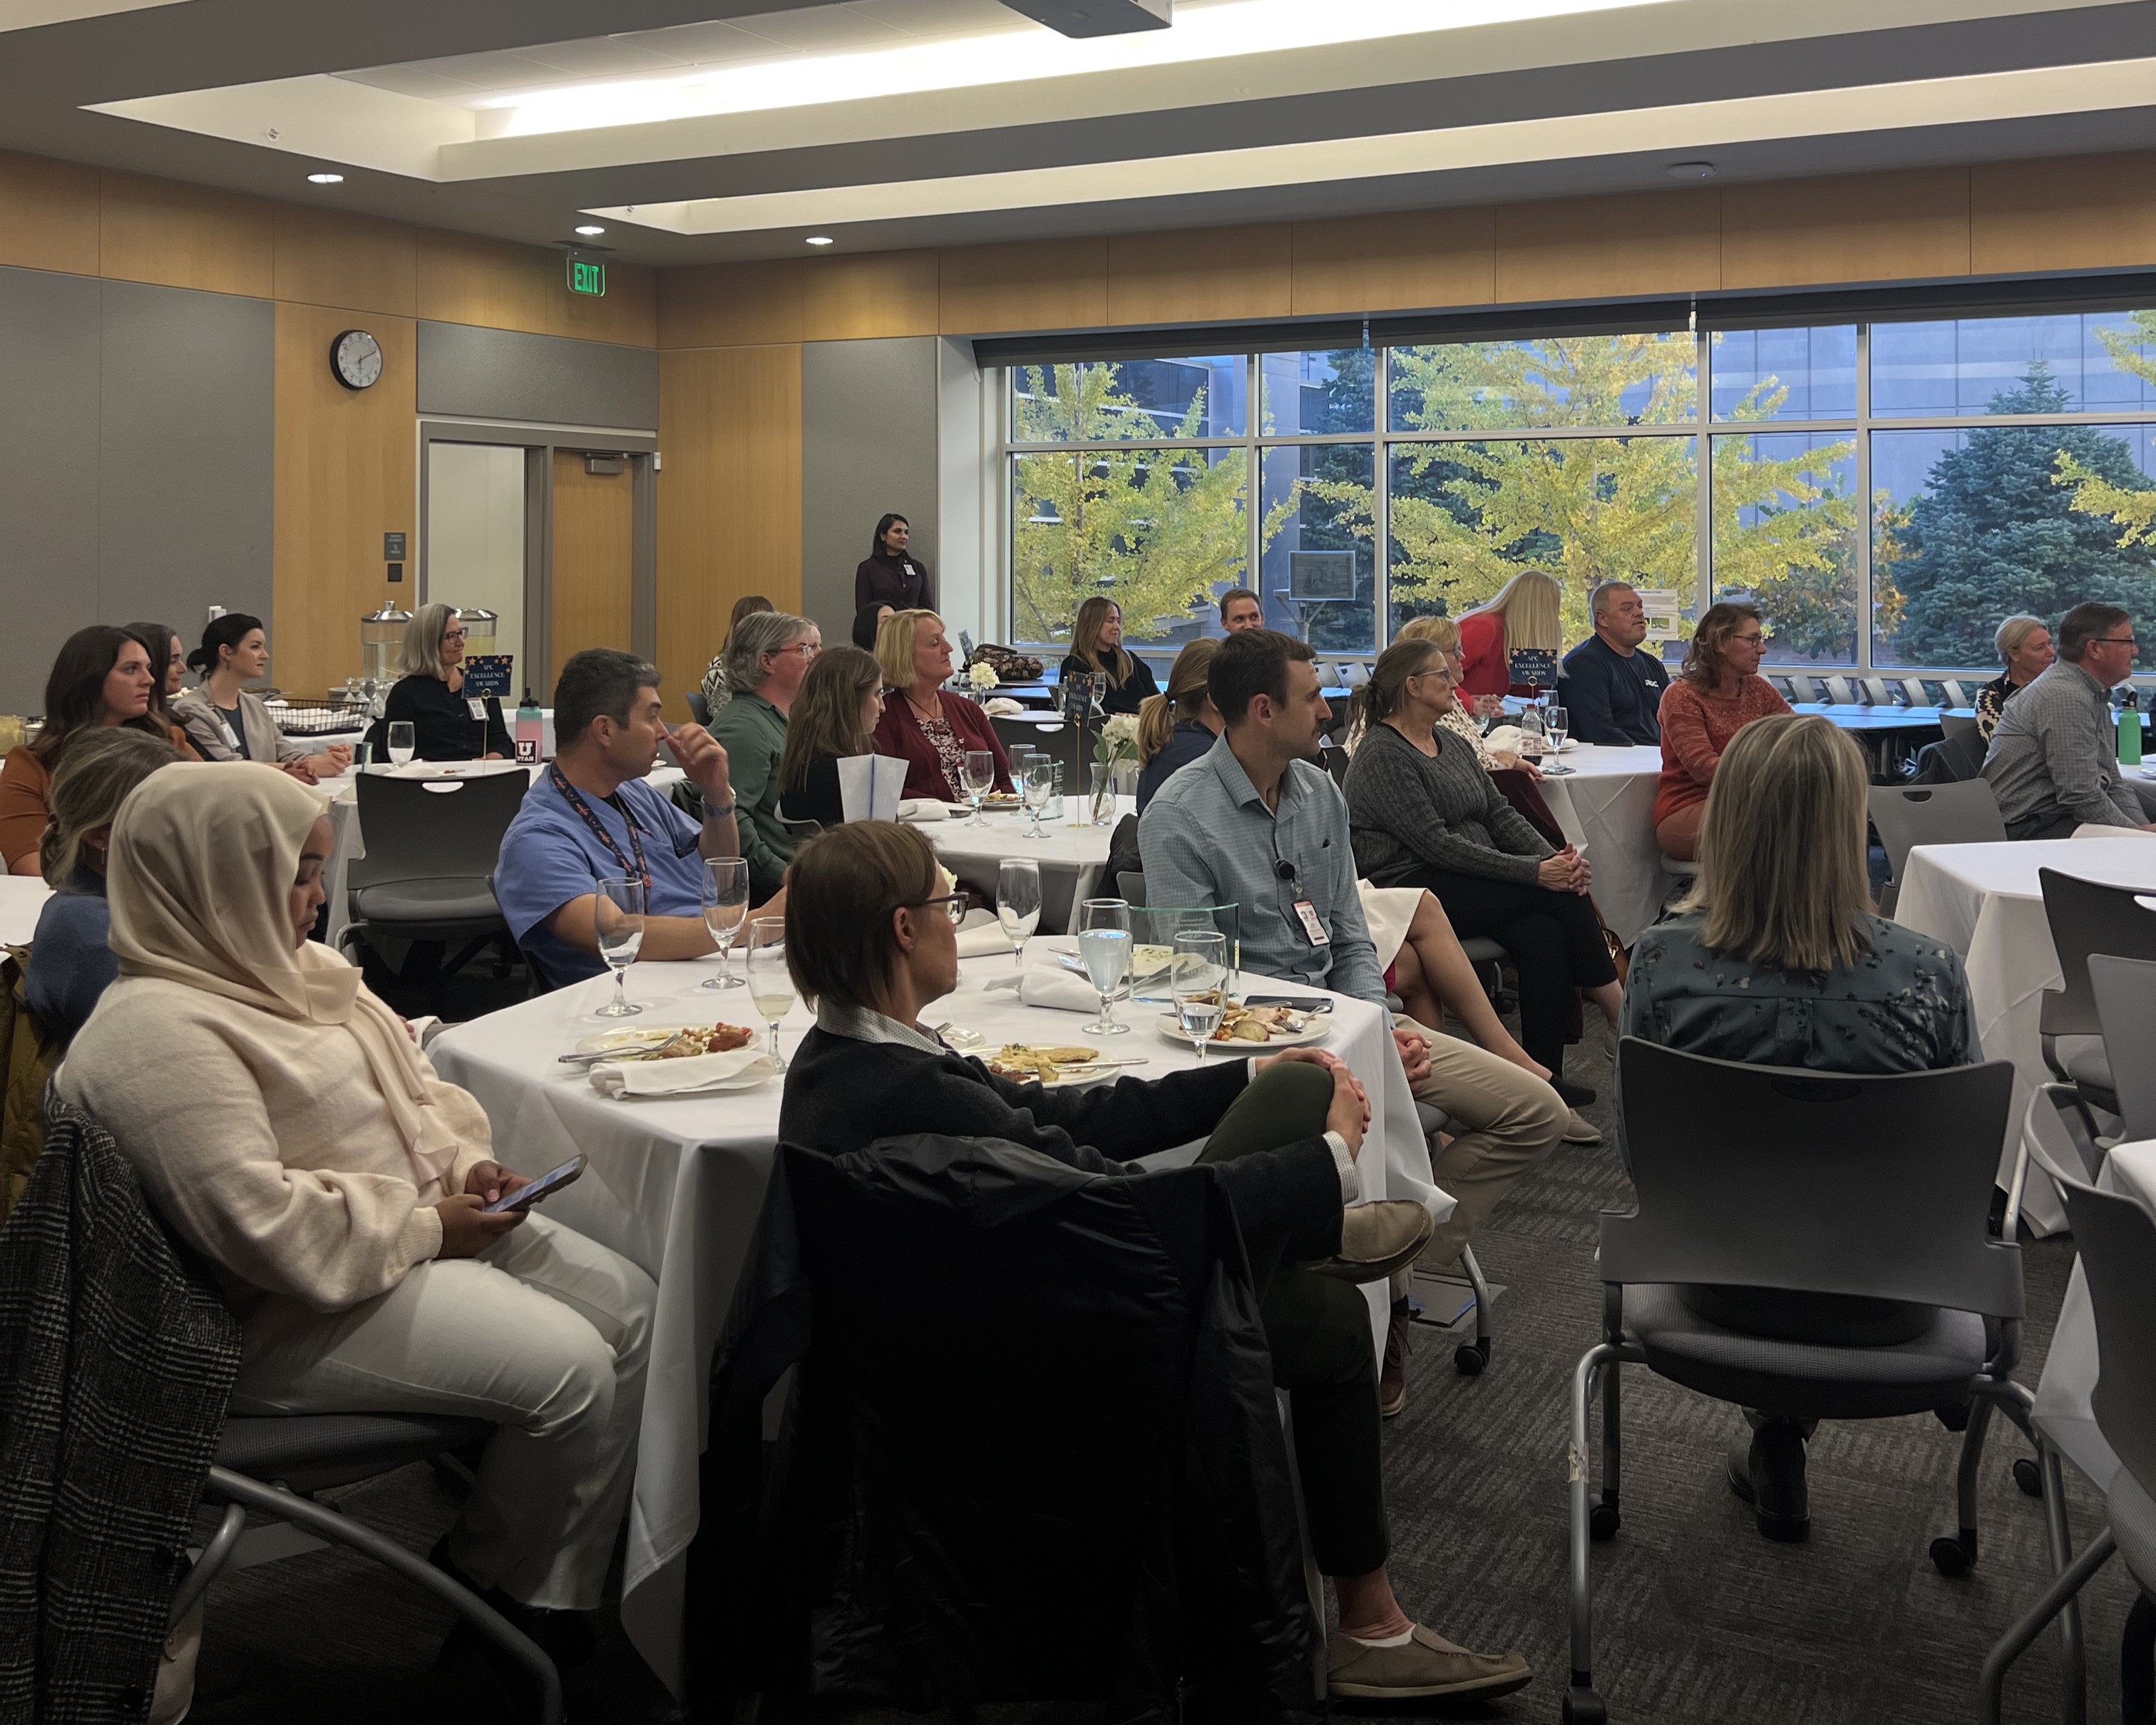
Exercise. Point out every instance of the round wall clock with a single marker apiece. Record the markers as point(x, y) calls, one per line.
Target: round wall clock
point(356, 359)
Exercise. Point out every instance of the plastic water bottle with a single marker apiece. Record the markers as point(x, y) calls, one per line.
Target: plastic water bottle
point(2129, 731)
point(529, 731)
point(1531, 735)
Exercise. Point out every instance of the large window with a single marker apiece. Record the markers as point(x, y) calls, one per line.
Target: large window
point(1884, 493)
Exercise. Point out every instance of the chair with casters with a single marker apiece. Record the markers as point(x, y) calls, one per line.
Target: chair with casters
point(1840, 693)
point(2113, 1445)
point(1875, 691)
point(2125, 990)
point(1918, 694)
point(1768, 1208)
point(1131, 887)
point(1955, 694)
point(2086, 917)
point(1967, 731)
point(1907, 816)
point(1803, 691)
point(700, 709)
point(275, 1466)
point(431, 845)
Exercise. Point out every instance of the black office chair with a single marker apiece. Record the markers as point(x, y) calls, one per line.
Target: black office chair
point(2086, 917)
point(699, 709)
point(431, 845)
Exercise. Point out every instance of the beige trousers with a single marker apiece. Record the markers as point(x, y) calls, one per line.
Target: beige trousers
point(546, 1334)
point(1504, 1120)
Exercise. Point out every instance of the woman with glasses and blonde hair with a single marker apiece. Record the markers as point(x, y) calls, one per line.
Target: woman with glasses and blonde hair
point(833, 719)
point(1525, 615)
point(927, 726)
point(447, 724)
point(1174, 729)
point(766, 658)
point(1097, 648)
point(2025, 650)
point(1777, 959)
point(1717, 693)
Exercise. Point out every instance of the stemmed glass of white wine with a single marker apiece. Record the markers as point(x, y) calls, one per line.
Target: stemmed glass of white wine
point(725, 907)
point(617, 922)
point(770, 984)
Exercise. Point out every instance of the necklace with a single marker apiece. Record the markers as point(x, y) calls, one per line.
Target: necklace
point(928, 715)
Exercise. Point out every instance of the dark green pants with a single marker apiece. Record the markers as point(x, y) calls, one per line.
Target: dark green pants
point(1318, 1331)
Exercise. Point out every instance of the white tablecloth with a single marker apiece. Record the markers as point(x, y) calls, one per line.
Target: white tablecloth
point(1071, 857)
point(22, 897)
point(1983, 900)
point(1607, 803)
point(2070, 1369)
point(675, 1186)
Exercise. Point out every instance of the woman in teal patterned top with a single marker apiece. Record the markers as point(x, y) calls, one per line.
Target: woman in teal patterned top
point(1777, 959)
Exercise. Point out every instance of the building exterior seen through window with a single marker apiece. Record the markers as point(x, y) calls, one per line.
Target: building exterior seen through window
point(1885, 493)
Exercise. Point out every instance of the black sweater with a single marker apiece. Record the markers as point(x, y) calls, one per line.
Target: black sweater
point(841, 1094)
point(442, 724)
point(1124, 697)
point(816, 798)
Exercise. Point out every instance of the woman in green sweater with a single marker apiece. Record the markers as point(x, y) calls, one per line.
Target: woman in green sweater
point(767, 656)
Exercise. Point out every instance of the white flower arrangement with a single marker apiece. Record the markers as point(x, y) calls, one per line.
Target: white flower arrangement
point(981, 674)
point(1118, 740)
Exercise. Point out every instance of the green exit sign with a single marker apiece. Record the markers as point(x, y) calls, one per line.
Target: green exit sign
point(587, 276)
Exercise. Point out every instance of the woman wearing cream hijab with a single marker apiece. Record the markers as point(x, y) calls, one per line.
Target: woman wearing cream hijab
point(284, 1124)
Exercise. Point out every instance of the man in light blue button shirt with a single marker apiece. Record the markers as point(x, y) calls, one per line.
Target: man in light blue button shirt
point(1252, 822)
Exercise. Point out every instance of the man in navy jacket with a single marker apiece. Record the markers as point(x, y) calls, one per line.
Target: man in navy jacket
point(1612, 691)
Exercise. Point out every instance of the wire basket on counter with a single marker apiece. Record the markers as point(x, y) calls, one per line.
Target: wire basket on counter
point(316, 718)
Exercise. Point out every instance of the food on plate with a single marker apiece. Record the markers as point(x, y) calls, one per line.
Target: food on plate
point(1030, 1065)
point(720, 1039)
point(1257, 1024)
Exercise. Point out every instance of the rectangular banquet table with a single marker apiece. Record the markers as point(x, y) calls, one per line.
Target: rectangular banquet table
point(675, 1185)
point(1984, 901)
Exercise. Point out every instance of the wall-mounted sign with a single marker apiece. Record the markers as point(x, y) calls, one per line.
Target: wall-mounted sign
point(393, 548)
point(587, 275)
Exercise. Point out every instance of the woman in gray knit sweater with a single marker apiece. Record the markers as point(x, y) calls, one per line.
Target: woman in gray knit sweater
point(1422, 813)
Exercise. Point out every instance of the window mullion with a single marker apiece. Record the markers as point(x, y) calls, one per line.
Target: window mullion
point(1864, 612)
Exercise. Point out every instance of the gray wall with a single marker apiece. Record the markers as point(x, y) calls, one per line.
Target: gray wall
point(136, 464)
point(472, 373)
point(868, 445)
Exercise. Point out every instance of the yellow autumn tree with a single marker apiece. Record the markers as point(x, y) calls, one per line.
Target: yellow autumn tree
point(2132, 509)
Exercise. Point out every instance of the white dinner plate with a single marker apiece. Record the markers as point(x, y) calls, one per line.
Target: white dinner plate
point(1318, 1028)
point(1068, 1077)
point(636, 1034)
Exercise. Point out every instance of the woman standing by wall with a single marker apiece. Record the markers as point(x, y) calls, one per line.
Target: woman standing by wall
point(890, 574)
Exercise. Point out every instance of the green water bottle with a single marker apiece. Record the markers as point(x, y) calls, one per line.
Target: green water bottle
point(2129, 731)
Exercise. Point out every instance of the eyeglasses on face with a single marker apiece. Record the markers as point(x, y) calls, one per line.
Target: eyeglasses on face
point(807, 649)
point(953, 904)
point(2119, 641)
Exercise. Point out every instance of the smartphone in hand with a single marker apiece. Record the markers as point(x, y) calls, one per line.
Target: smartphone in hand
point(545, 1187)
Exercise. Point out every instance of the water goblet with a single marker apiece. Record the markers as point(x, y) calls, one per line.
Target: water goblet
point(617, 922)
point(1017, 902)
point(725, 906)
point(402, 742)
point(1200, 984)
point(1104, 943)
point(980, 777)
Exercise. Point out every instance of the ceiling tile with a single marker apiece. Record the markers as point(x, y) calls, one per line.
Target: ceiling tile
point(704, 45)
point(499, 70)
point(410, 81)
point(605, 57)
point(944, 17)
point(823, 28)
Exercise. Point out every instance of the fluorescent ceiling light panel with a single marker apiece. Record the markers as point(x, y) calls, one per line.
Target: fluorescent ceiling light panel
point(1233, 27)
point(1943, 101)
point(33, 14)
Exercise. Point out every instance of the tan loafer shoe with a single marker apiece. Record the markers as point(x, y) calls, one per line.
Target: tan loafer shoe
point(1379, 1238)
point(1424, 1665)
point(1580, 1130)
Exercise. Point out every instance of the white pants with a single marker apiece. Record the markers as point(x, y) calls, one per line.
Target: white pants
point(546, 1334)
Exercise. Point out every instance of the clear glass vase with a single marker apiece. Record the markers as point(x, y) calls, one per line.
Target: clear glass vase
point(1101, 800)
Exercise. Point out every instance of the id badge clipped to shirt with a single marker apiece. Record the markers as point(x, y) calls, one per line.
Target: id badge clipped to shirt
point(1313, 928)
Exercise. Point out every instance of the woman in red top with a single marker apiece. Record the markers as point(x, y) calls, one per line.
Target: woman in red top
point(1718, 694)
point(929, 727)
point(1523, 616)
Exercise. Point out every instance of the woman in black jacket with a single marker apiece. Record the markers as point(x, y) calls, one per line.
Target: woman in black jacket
point(1096, 645)
point(447, 724)
point(891, 575)
point(833, 717)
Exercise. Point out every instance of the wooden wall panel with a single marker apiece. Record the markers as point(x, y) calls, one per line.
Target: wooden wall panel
point(1034, 284)
point(874, 294)
point(1416, 260)
point(463, 279)
point(326, 258)
point(731, 304)
point(173, 235)
point(594, 521)
point(729, 497)
point(1609, 248)
point(1851, 227)
point(2093, 212)
point(345, 476)
point(47, 214)
point(627, 315)
point(1199, 275)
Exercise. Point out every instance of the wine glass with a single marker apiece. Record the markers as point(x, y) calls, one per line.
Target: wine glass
point(1556, 722)
point(1040, 792)
point(1104, 942)
point(1200, 982)
point(770, 984)
point(726, 904)
point(1017, 902)
point(617, 920)
point(980, 775)
point(402, 742)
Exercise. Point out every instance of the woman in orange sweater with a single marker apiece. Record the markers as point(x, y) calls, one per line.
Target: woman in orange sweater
point(1718, 694)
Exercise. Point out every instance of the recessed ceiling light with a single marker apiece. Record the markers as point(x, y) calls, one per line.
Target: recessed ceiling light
point(819, 240)
point(326, 179)
point(591, 230)
point(1692, 170)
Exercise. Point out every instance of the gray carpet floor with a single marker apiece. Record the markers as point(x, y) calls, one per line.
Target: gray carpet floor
point(1698, 1622)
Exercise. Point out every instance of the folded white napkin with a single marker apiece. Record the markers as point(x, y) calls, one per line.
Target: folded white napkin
point(699, 1075)
point(1045, 983)
point(983, 939)
point(927, 809)
point(1002, 706)
point(1503, 740)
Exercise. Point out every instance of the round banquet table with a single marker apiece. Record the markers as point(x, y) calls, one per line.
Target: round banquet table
point(1984, 901)
point(675, 1184)
point(1607, 803)
point(1071, 857)
point(2064, 1393)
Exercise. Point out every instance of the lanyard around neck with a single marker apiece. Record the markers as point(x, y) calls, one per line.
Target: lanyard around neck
point(570, 795)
